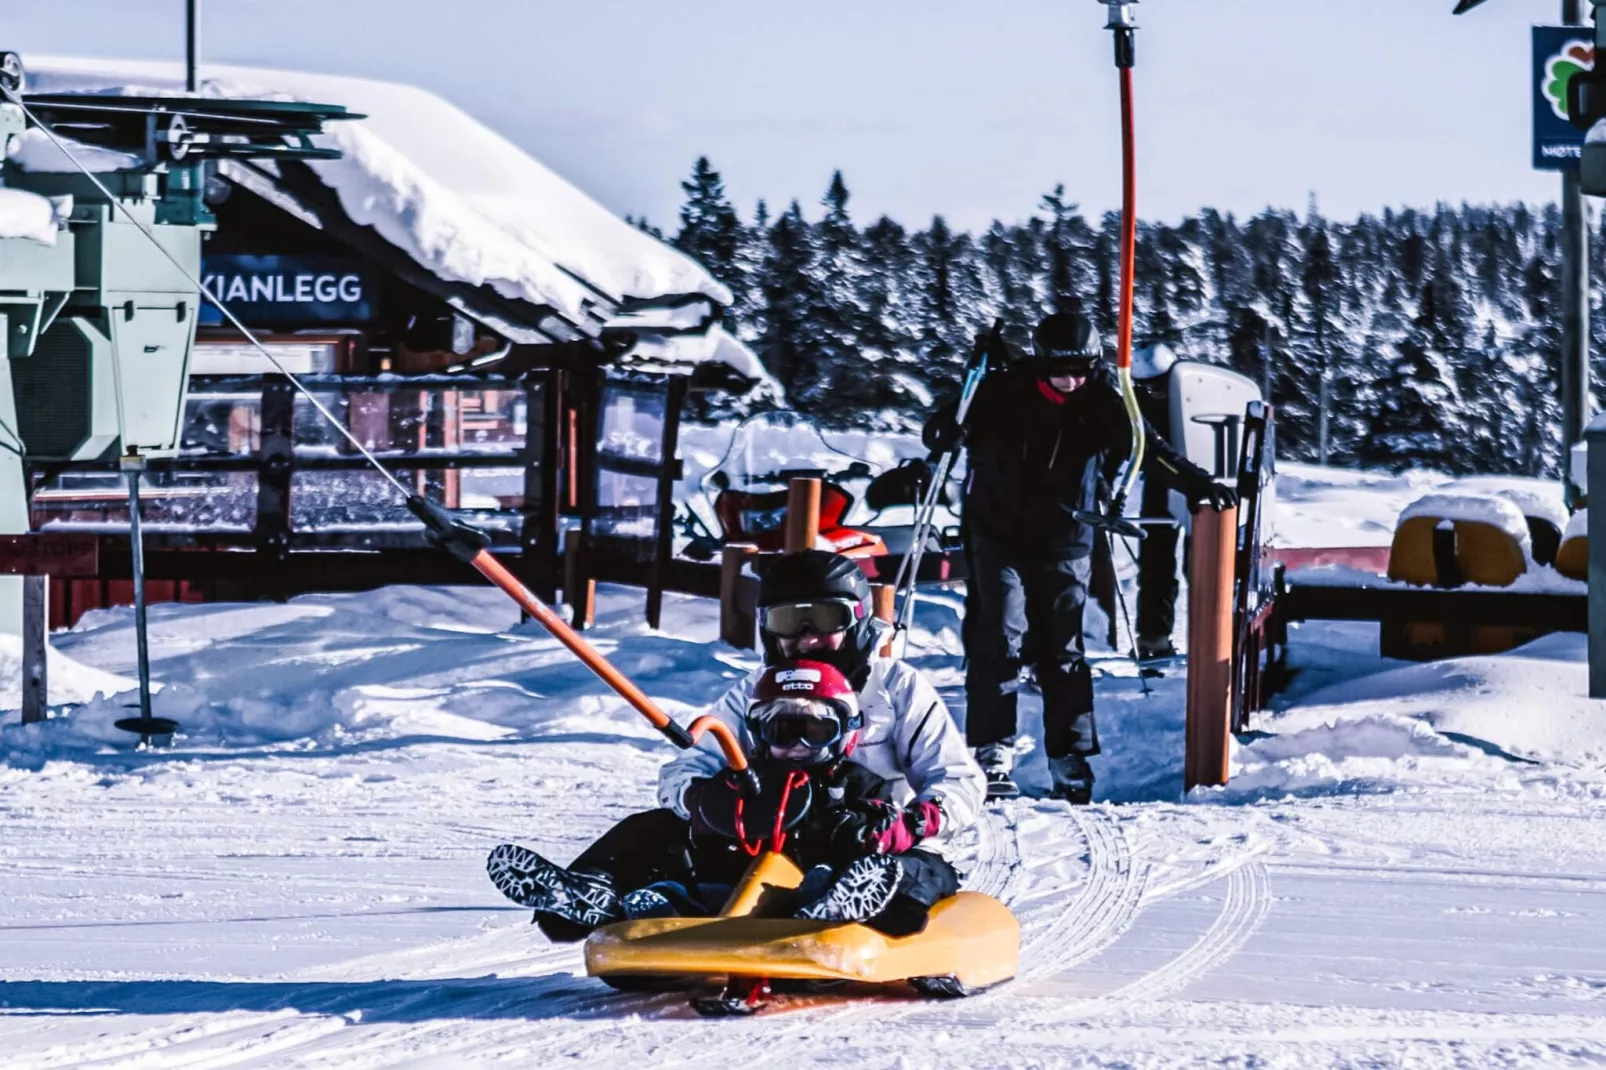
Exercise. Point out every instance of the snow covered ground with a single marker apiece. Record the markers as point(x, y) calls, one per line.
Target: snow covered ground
point(1409, 868)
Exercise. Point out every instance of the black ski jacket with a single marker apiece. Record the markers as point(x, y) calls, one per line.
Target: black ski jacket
point(1035, 458)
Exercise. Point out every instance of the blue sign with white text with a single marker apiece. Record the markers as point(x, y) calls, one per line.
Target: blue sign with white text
point(288, 291)
point(1559, 53)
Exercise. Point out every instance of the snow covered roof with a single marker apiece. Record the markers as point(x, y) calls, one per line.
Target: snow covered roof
point(460, 200)
point(654, 351)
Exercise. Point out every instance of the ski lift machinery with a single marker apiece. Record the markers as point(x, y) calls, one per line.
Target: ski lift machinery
point(96, 328)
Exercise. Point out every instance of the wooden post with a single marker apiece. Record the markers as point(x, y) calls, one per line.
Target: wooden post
point(571, 456)
point(884, 597)
point(1596, 549)
point(579, 590)
point(542, 456)
point(1209, 714)
point(35, 647)
point(802, 514)
point(451, 440)
point(664, 511)
point(736, 623)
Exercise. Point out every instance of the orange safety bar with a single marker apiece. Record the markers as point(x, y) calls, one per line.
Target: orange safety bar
point(497, 573)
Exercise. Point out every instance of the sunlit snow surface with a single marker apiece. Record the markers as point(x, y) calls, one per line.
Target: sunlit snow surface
point(1409, 867)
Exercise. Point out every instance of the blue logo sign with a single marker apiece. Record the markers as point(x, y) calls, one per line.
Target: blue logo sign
point(287, 291)
point(1559, 53)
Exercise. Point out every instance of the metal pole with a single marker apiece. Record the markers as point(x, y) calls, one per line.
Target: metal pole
point(133, 464)
point(192, 42)
point(1596, 438)
point(1575, 396)
point(35, 647)
point(1321, 418)
point(1265, 361)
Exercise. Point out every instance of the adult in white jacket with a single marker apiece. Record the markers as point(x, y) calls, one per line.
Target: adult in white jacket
point(890, 780)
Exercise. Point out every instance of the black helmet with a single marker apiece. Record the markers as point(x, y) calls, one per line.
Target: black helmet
point(1066, 341)
point(816, 590)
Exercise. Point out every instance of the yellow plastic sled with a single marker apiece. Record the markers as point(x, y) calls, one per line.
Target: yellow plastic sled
point(971, 942)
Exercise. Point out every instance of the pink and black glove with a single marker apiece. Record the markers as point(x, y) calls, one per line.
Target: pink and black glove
point(889, 830)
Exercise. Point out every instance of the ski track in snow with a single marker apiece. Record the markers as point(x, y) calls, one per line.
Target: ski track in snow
point(1055, 937)
point(1245, 905)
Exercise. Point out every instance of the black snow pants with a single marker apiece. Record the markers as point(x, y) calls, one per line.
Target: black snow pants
point(1157, 568)
point(656, 846)
point(1007, 595)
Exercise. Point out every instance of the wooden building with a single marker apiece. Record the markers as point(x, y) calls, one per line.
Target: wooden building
point(493, 405)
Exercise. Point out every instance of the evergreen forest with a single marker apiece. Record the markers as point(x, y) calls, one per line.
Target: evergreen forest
point(1415, 337)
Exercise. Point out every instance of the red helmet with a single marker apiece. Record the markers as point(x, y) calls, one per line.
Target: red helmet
point(809, 703)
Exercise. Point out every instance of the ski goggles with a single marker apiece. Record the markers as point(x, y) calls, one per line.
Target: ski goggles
point(810, 618)
point(1049, 367)
point(788, 730)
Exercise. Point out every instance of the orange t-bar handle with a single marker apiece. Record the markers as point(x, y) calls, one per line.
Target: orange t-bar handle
point(470, 546)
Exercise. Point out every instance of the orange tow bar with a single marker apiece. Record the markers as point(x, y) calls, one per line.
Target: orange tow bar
point(469, 545)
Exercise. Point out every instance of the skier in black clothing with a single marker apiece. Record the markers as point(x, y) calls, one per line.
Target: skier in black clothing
point(865, 858)
point(1037, 434)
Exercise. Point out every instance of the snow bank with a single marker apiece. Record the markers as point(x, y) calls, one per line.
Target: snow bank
point(71, 684)
point(460, 199)
point(70, 680)
point(335, 672)
point(28, 215)
point(1577, 526)
point(1500, 722)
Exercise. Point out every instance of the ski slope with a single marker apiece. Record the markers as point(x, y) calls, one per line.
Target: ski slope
point(1409, 867)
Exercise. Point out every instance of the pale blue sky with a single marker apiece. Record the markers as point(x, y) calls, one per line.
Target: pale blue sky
point(970, 108)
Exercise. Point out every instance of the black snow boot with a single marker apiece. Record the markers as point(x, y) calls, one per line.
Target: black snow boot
point(862, 890)
point(584, 899)
point(1073, 779)
point(997, 761)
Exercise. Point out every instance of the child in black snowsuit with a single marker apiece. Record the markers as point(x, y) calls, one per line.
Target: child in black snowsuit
point(831, 816)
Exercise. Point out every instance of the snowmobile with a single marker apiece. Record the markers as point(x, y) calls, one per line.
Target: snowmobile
point(744, 496)
point(749, 487)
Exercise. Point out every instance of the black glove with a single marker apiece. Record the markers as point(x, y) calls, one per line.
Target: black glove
point(711, 804)
point(848, 827)
point(942, 433)
point(1216, 495)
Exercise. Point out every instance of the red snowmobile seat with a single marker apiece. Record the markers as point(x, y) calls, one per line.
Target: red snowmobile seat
point(760, 518)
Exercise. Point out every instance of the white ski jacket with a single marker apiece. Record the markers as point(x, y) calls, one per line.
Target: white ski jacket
point(908, 738)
